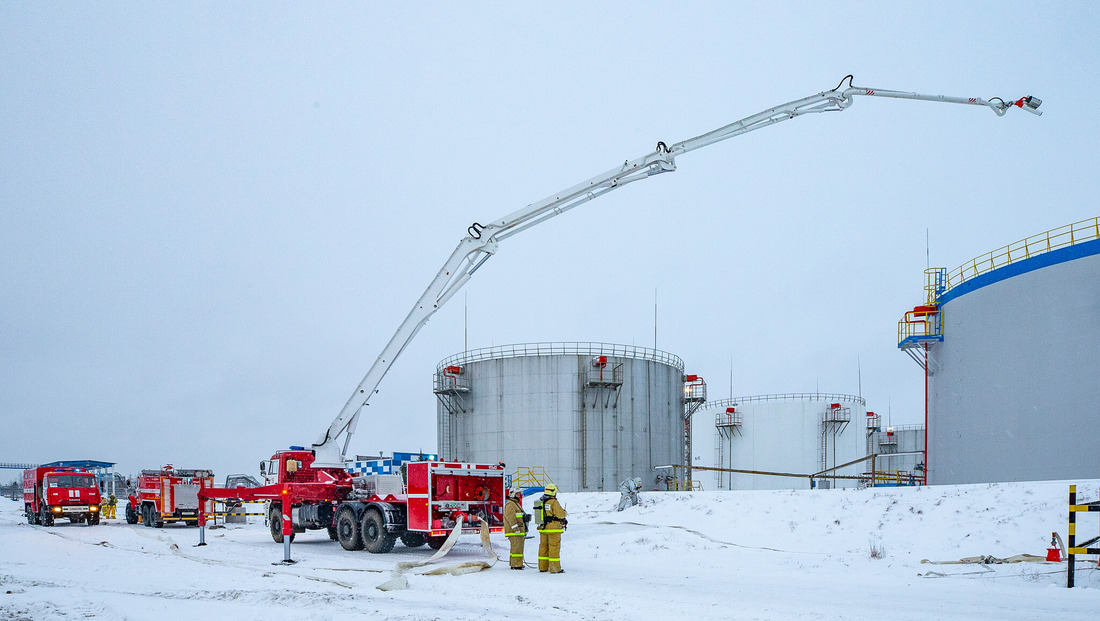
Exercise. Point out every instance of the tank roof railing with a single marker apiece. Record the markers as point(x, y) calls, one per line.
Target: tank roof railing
point(897, 428)
point(520, 350)
point(790, 396)
point(1061, 237)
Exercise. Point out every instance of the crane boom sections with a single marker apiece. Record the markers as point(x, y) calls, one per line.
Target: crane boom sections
point(482, 240)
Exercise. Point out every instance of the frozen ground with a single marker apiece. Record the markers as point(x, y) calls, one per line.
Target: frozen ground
point(701, 555)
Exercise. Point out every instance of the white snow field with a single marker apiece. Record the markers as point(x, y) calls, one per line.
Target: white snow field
point(699, 555)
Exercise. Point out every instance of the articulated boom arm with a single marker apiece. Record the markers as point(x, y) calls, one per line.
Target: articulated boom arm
point(481, 241)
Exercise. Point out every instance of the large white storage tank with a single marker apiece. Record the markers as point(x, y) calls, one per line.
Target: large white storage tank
point(1014, 361)
point(591, 414)
point(795, 434)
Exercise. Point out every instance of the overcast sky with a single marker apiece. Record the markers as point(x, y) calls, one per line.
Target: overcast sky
point(214, 216)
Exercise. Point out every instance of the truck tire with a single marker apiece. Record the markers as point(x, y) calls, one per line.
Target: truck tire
point(30, 515)
point(45, 518)
point(131, 515)
point(436, 543)
point(375, 538)
point(147, 515)
point(93, 520)
point(275, 524)
point(347, 530)
point(413, 540)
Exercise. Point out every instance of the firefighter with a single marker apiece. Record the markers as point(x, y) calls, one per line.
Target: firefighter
point(515, 526)
point(552, 523)
point(112, 502)
point(629, 489)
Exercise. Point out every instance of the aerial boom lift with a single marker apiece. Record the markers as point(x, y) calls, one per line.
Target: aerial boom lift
point(482, 241)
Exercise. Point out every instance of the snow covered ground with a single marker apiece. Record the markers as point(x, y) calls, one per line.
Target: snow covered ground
point(700, 555)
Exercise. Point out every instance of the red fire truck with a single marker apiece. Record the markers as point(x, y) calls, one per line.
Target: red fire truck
point(168, 495)
point(422, 504)
point(52, 492)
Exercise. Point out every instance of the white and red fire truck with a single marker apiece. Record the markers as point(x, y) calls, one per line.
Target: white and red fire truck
point(167, 495)
point(53, 492)
point(420, 504)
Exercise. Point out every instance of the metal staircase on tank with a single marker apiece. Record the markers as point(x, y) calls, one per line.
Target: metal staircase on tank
point(833, 422)
point(695, 395)
point(603, 382)
point(923, 325)
point(450, 386)
point(726, 425)
point(530, 479)
point(874, 423)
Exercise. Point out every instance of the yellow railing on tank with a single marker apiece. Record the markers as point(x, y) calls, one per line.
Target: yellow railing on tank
point(684, 486)
point(920, 323)
point(530, 476)
point(893, 477)
point(1061, 237)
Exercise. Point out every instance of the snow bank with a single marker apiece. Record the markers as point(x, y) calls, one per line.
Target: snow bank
point(698, 555)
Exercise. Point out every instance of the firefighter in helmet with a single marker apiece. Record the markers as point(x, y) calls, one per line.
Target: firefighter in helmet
point(515, 526)
point(552, 524)
point(112, 502)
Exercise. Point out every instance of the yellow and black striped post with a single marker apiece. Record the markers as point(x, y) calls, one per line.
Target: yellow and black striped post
point(1073, 549)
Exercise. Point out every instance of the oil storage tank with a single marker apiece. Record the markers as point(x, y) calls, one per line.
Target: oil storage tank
point(783, 438)
point(590, 414)
point(1010, 346)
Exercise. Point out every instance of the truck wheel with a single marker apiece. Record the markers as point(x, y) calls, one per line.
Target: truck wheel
point(375, 538)
point(131, 515)
point(30, 515)
point(347, 530)
point(275, 524)
point(93, 520)
point(46, 518)
point(413, 540)
point(147, 515)
point(436, 543)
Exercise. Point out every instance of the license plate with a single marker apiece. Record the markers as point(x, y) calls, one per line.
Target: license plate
point(74, 509)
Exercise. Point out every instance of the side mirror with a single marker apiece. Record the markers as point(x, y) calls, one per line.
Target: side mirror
point(263, 469)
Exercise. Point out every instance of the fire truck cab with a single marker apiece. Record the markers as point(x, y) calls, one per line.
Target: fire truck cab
point(53, 492)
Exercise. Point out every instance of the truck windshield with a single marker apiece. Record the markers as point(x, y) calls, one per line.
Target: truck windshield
point(72, 480)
